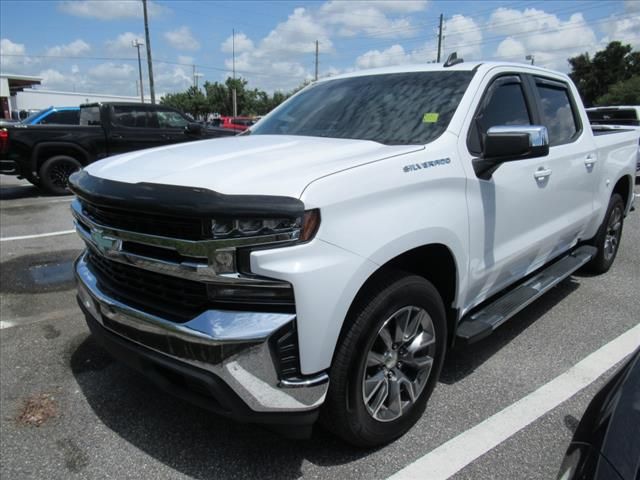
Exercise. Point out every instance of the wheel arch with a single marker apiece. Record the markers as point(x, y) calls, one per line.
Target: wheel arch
point(45, 150)
point(436, 263)
point(624, 187)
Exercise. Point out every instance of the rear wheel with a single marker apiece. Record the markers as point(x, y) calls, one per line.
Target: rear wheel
point(387, 363)
point(55, 172)
point(607, 240)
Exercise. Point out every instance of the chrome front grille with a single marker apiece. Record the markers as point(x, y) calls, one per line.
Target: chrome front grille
point(175, 278)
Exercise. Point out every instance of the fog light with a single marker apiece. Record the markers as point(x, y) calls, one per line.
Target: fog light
point(274, 294)
point(225, 261)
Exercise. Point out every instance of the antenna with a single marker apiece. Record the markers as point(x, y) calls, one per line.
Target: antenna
point(453, 60)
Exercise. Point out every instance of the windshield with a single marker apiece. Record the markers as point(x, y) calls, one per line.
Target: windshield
point(33, 116)
point(393, 109)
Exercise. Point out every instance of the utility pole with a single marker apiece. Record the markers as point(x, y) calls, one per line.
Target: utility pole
point(137, 44)
point(194, 75)
point(149, 61)
point(316, 60)
point(440, 37)
point(234, 97)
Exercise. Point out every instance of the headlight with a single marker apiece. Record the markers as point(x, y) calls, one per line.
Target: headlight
point(302, 228)
point(253, 227)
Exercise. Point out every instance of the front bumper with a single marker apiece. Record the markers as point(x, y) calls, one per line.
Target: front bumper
point(231, 349)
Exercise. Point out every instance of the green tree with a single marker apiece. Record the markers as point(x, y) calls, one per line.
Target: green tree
point(594, 76)
point(626, 92)
point(216, 97)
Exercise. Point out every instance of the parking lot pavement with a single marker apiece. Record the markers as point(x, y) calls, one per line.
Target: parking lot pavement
point(97, 419)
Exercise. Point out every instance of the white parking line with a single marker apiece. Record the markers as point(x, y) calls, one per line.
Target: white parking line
point(460, 451)
point(37, 235)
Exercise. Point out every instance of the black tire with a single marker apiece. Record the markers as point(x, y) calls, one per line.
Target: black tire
point(345, 412)
point(607, 240)
point(55, 172)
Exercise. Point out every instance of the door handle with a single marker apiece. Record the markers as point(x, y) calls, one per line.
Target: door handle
point(590, 161)
point(542, 173)
point(116, 136)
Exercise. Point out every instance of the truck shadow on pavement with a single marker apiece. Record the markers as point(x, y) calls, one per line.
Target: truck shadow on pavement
point(463, 360)
point(188, 439)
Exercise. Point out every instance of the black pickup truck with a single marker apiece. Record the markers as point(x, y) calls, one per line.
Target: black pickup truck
point(47, 154)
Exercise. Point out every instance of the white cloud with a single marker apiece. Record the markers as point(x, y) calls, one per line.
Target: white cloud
point(110, 10)
point(545, 36)
point(464, 36)
point(242, 44)
point(73, 49)
point(182, 39)
point(394, 55)
point(112, 72)
point(370, 17)
point(123, 43)
point(7, 51)
point(625, 30)
point(512, 50)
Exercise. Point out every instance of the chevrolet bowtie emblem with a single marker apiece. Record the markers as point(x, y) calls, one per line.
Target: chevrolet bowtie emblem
point(104, 243)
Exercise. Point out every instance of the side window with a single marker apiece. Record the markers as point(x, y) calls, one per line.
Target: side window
point(90, 116)
point(504, 104)
point(64, 117)
point(52, 118)
point(129, 116)
point(171, 119)
point(557, 112)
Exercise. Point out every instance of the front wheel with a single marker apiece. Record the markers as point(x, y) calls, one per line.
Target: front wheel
point(55, 173)
point(387, 362)
point(607, 240)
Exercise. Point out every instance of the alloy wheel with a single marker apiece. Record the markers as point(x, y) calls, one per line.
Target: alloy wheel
point(399, 363)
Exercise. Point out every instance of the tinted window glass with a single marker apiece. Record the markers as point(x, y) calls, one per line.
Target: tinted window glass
point(90, 116)
point(394, 109)
point(171, 119)
point(506, 105)
point(613, 117)
point(64, 117)
point(129, 116)
point(557, 114)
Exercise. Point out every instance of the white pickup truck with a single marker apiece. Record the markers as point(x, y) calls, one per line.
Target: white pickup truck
point(322, 264)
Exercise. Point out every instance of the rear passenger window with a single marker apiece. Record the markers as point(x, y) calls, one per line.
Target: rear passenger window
point(126, 116)
point(557, 113)
point(504, 105)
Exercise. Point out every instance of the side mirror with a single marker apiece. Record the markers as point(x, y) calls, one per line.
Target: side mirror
point(193, 128)
point(509, 143)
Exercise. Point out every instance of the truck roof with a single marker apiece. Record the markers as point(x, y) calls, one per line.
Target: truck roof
point(97, 104)
point(434, 67)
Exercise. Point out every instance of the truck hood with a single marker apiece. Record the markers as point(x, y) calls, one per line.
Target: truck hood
point(259, 164)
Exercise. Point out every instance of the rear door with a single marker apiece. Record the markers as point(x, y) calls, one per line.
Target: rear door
point(572, 163)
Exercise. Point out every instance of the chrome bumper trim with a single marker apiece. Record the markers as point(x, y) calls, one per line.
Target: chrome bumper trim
point(233, 345)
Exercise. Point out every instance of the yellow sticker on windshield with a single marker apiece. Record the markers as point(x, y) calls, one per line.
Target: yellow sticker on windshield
point(430, 118)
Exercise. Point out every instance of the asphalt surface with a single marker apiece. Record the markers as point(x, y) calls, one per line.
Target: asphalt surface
point(101, 420)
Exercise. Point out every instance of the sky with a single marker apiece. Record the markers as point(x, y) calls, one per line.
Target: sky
point(86, 45)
